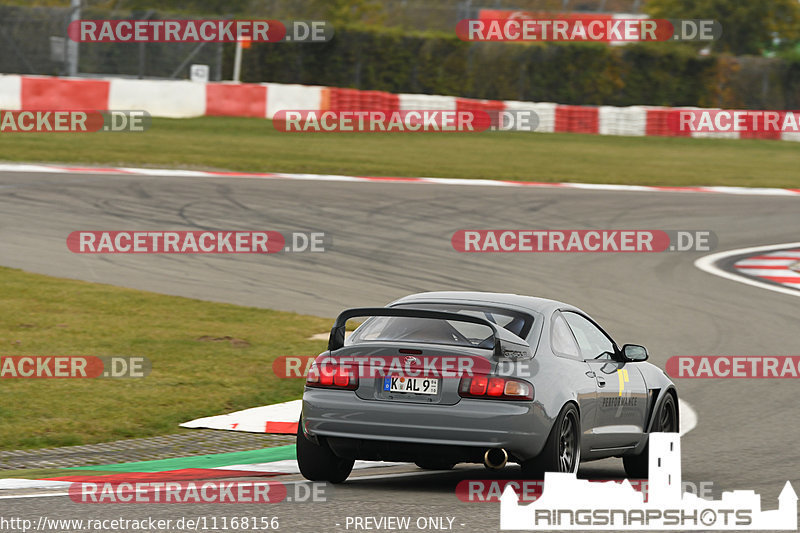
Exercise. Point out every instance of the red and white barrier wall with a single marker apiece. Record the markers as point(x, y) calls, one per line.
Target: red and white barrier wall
point(183, 99)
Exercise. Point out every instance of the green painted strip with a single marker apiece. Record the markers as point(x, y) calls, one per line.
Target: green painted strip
point(264, 455)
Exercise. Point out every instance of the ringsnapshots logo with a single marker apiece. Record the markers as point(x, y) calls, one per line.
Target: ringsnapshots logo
point(73, 366)
point(569, 503)
point(196, 242)
point(404, 121)
point(625, 241)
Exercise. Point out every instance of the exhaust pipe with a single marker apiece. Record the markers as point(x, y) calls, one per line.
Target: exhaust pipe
point(495, 458)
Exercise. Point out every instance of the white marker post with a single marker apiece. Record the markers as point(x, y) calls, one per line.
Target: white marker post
point(237, 61)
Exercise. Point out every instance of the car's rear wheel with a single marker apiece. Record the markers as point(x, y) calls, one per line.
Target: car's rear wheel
point(636, 466)
point(562, 451)
point(318, 463)
point(434, 464)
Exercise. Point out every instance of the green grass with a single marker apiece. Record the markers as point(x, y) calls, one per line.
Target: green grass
point(190, 378)
point(253, 145)
point(46, 473)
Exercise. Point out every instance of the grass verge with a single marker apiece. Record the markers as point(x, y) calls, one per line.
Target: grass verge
point(250, 144)
point(190, 377)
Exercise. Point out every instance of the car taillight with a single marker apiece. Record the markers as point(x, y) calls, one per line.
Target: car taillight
point(495, 388)
point(332, 377)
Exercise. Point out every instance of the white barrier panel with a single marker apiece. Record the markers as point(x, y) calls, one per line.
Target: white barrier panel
point(426, 101)
point(546, 112)
point(623, 120)
point(10, 92)
point(171, 99)
point(282, 96)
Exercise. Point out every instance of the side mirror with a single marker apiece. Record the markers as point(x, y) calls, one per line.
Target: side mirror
point(634, 352)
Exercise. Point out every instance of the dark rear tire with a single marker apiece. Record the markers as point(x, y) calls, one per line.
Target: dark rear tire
point(318, 463)
point(637, 466)
point(434, 464)
point(562, 451)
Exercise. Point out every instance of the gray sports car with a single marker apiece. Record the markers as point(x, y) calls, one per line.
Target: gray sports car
point(440, 378)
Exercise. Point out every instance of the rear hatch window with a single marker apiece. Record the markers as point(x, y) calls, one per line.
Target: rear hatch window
point(436, 331)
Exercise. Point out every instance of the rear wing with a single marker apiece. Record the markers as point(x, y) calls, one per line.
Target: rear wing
point(506, 344)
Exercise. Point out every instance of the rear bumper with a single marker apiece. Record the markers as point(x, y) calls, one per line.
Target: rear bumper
point(354, 424)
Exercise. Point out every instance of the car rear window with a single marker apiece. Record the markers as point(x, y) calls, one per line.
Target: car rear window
point(435, 331)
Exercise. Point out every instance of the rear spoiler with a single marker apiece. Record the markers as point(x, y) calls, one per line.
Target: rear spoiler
point(336, 339)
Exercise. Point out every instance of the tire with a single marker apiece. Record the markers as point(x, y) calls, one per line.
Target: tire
point(637, 466)
point(434, 464)
point(562, 451)
point(318, 463)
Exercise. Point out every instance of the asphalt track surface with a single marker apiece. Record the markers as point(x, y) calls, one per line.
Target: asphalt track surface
point(392, 239)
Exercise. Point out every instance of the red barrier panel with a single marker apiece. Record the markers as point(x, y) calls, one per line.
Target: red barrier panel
point(64, 94)
point(343, 99)
point(760, 131)
point(468, 104)
point(355, 100)
point(577, 119)
point(379, 100)
point(664, 123)
point(236, 100)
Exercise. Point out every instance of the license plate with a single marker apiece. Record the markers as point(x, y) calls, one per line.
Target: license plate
point(414, 385)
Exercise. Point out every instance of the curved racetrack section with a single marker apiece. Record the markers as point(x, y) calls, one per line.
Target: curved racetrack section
point(391, 239)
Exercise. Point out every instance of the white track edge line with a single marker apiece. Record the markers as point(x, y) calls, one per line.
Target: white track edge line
point(132, 171)
point(707, 264)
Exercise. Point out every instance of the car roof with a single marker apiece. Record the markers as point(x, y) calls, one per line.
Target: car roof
point(531, 303)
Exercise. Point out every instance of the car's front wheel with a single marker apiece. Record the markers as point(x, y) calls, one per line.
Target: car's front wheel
point(318, 463)
point(637, 466)
point(562, 451)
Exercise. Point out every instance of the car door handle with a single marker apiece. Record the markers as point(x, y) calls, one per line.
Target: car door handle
point(601, 382)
